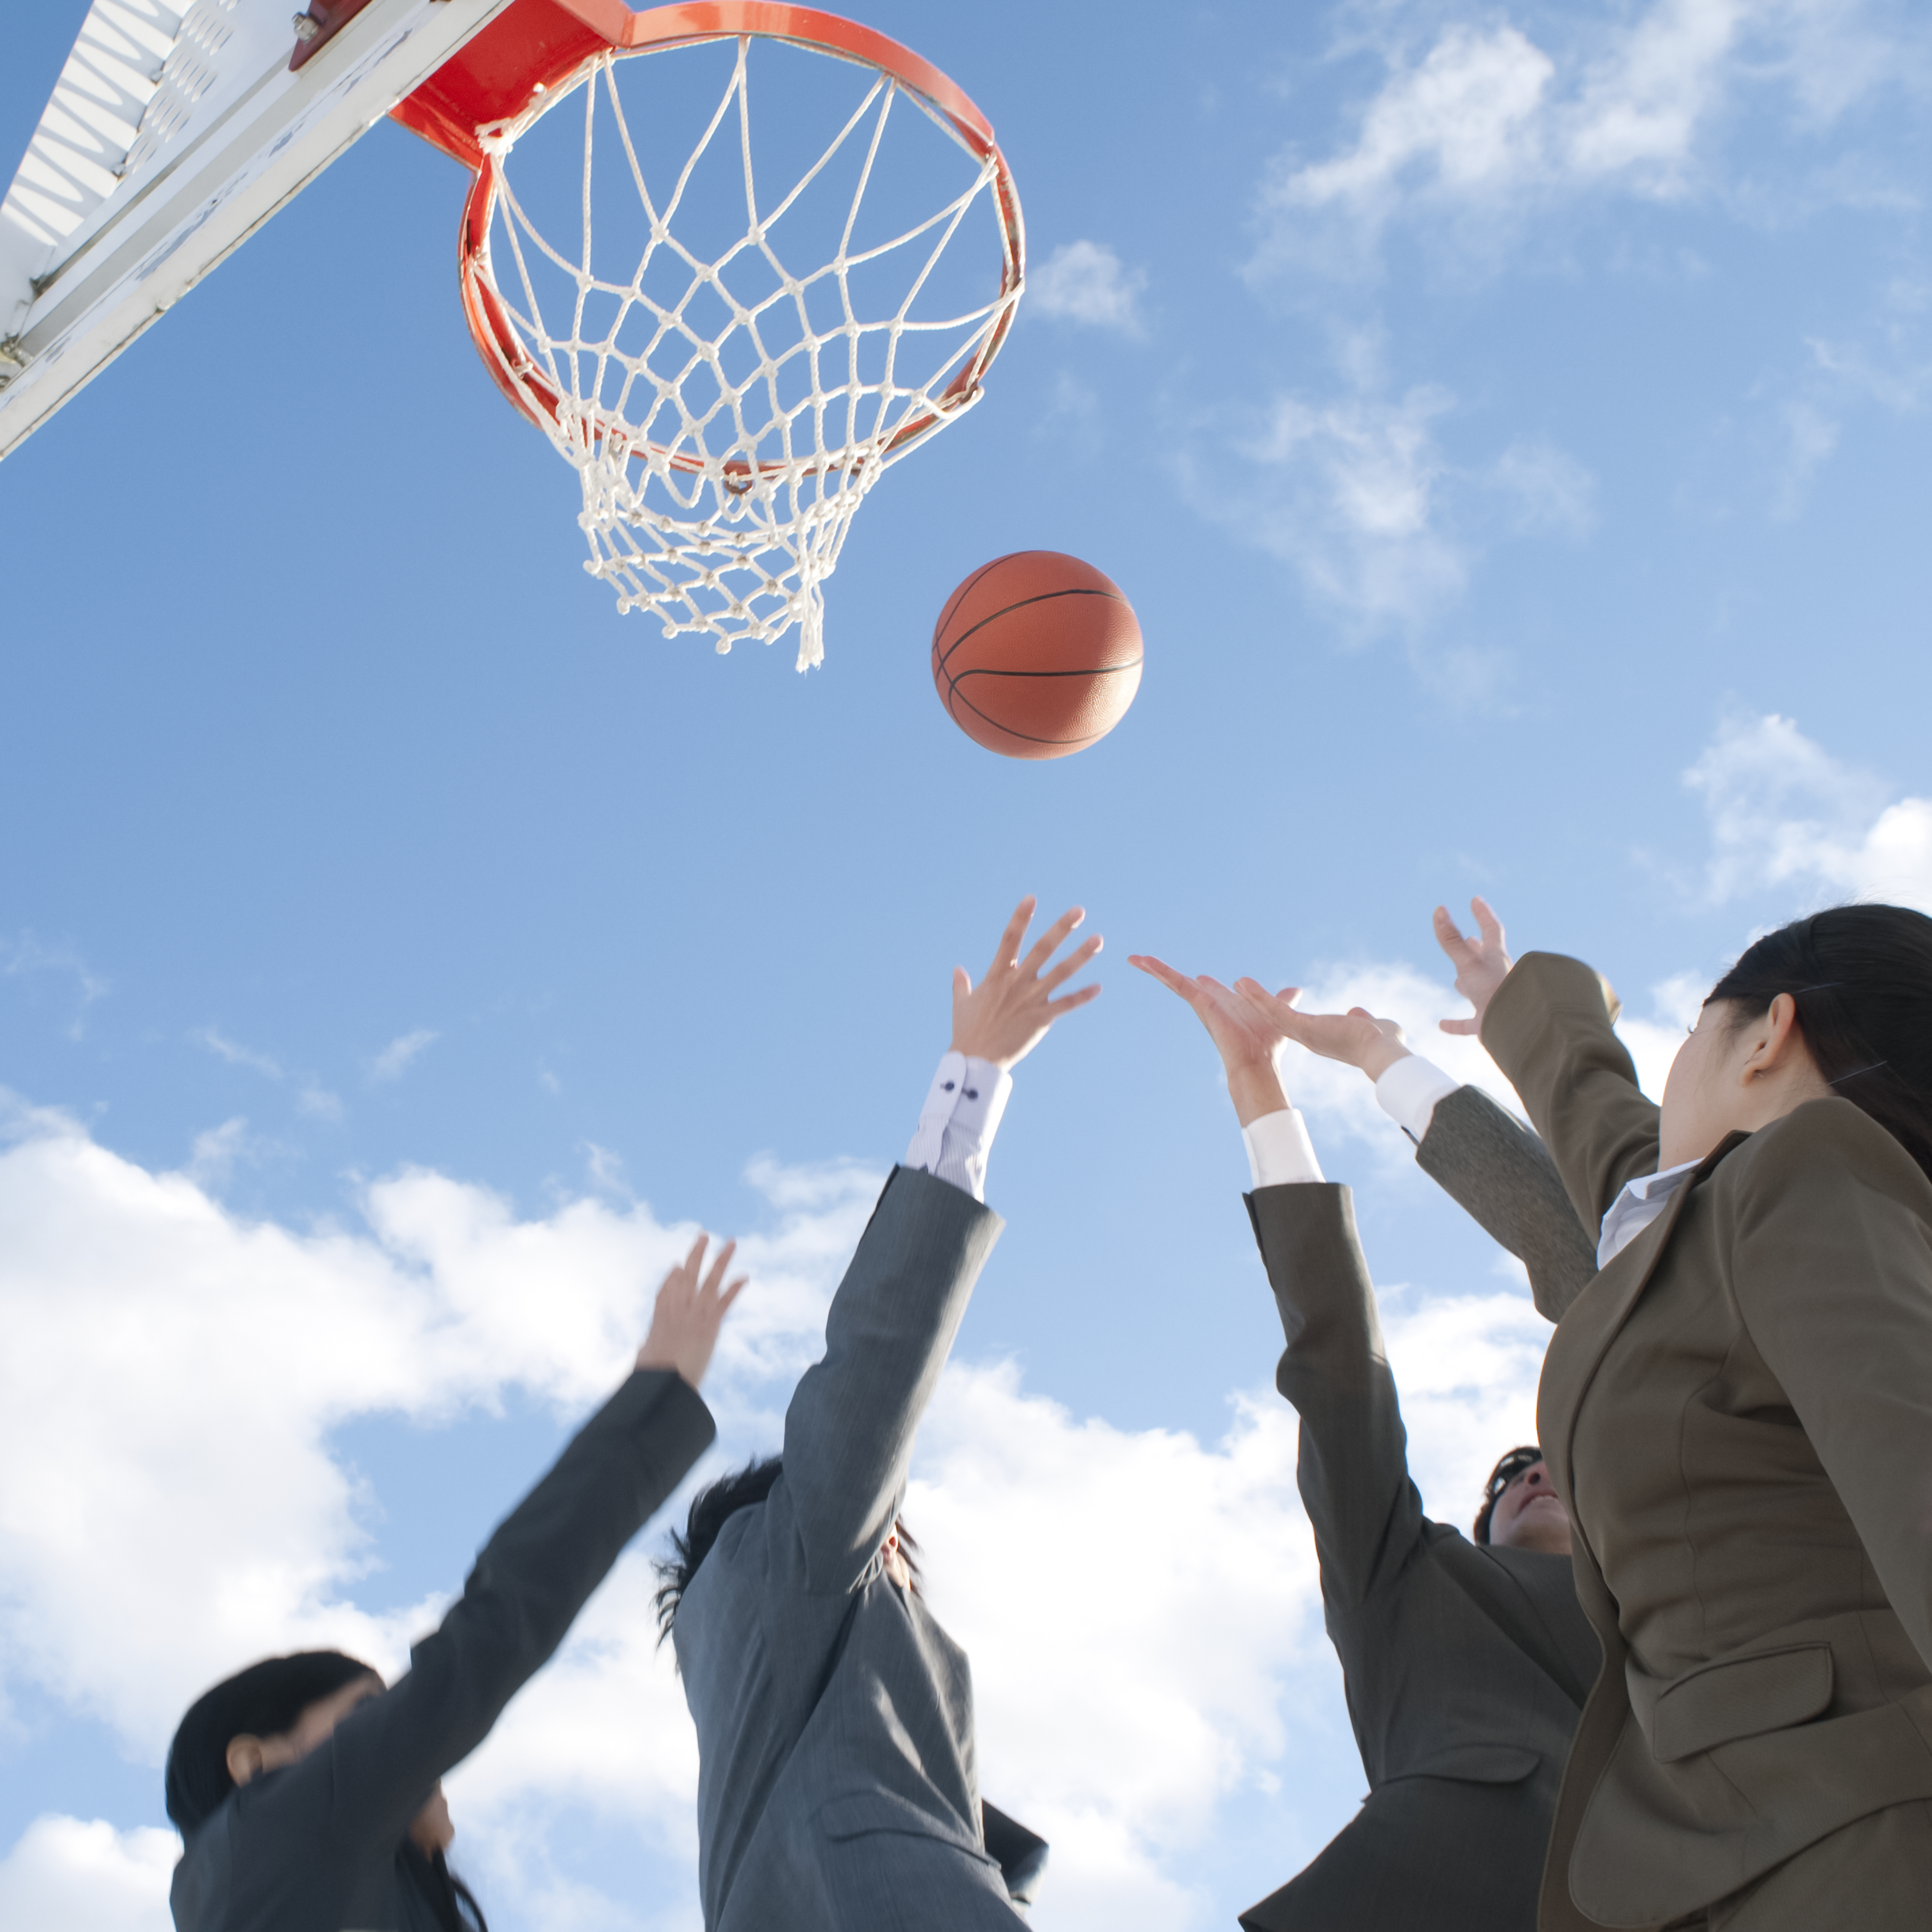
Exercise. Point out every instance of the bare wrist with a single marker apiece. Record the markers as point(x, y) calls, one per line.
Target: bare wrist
point(1256, 1089)
point(1378, 1060)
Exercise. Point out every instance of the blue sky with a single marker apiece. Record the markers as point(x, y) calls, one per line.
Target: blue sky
point(1510, 425)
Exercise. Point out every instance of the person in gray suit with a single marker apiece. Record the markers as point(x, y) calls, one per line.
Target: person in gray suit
point(1465, 1663)
point(837, 1786)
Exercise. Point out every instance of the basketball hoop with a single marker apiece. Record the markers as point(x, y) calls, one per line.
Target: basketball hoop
point(726, 408)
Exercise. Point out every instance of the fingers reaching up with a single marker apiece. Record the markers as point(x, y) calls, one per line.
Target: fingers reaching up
point(1481, 963)
point(1356, 1038)
point(1246, 1038)
point(1245, 1034)
point(1006, 1016)
point(690, 1309)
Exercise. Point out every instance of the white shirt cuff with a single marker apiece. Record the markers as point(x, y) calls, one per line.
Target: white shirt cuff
point(1408, 1092)
point(1280, 1150)
point(957, 1124)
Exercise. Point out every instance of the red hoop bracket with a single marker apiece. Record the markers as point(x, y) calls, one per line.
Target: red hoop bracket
point(535, 45)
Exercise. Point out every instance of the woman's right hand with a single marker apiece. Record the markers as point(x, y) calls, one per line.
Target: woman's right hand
point(1481, 963)
point(690, 1309)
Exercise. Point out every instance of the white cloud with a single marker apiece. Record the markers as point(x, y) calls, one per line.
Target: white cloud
point(1466, 116)
point(1073, 420)
point(1339, 1098)
point(1346, 491)
point(216, 1152)
point(1488, 124)
point(1783, 812)
point(1087, 282)
point(318, 1103)
point(194, 1334)
point(1183, 1571)
point(26, 955)
point(151, 1332)
point(1646, 96)
point(313, 1100)
point(1467, 1367)
point(1653, 1042)
point(395, 1059)
point(1547, 488)
point(1810, 436)
point(218, 1043)
point(1356, 492)
point(68, 1875)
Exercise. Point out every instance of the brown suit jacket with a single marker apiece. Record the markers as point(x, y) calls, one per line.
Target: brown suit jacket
point(1738, 1409)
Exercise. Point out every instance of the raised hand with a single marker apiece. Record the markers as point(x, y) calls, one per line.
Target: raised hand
point(689, 1313)
point(1006, 1016)
point(1481, 963)
point(1356, 1038)
point(1246, 1038)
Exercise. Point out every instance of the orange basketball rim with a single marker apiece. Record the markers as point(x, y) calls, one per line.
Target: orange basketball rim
point(538, 48)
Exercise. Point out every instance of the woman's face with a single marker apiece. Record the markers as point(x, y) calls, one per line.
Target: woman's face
point(1700, 1093)
point(1737, 1072)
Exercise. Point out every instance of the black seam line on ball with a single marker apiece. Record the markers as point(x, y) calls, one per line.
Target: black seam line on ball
point(1045, 597)
point(959, 596)
point(1096, 670)
point(1028, 737)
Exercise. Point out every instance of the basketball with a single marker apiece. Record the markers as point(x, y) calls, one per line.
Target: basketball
point(1037, 655)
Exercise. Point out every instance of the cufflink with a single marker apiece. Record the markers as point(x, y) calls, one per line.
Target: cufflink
point(946, 1086)
point(972, 1092)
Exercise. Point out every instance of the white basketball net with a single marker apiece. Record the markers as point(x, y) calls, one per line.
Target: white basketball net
point(723, 511)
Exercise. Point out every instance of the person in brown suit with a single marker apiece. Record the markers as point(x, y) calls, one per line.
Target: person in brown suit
point(1738, 1410)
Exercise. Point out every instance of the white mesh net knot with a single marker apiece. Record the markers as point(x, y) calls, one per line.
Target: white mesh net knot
point(724, 437)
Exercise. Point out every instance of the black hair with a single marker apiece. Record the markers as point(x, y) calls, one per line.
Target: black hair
point(452, 1901)
point(1861, 976)
point(262, 1701)
point(1513, 1465)
point(711, 1509)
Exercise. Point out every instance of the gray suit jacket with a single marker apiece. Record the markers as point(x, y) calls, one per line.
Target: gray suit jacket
point(324, 1844)
point(1464, 1666)
point(837, 1790)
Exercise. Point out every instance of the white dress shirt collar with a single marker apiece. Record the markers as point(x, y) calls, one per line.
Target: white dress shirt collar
point(1640, 1203)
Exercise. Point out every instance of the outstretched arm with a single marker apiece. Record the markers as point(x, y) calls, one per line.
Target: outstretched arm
point(1353, 1469)
point(849, 1430)
point(1551, 1027)
point(1500, 1173)
point(530, 1580)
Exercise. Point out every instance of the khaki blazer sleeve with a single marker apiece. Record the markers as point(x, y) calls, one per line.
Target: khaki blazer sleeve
point(1832, 1272)
point(1549, 1028)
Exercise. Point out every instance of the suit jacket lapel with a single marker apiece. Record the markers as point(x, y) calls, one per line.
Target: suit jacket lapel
point(1592, 1322)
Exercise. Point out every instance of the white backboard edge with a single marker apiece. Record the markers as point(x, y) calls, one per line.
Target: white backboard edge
point(175, 130)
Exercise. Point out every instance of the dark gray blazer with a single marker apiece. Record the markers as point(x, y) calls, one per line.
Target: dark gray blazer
point(324, 1844)
point(836, 1787)
point(1466, 1667)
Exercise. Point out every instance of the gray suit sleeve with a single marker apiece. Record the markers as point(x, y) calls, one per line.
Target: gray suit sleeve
point(1353, 1471)
point(849, 1431)
point(1496, 1169)
point(530, 1581)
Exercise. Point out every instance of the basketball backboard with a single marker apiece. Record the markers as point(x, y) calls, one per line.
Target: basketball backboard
point(176, 127)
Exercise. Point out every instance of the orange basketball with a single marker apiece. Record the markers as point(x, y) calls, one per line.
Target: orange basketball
point(1037, 655)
